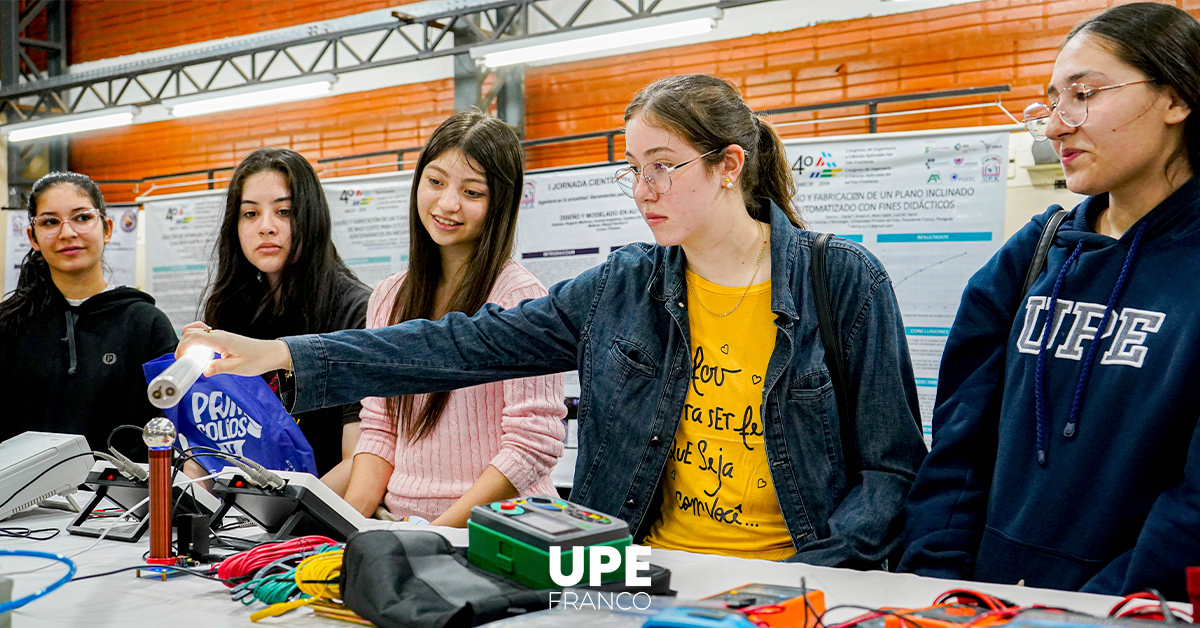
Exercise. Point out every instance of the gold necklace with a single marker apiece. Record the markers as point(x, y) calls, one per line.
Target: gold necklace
point(761, 249)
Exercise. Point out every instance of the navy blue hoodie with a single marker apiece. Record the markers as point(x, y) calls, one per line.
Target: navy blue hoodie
point(1065, 461)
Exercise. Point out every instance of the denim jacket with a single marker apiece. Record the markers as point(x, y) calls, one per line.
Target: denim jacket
point(624, 326)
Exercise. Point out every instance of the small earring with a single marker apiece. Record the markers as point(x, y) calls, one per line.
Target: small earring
point(728, 183)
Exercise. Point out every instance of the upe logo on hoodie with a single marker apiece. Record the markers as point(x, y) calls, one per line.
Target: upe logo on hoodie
point(227, 425)
point(1132, 328)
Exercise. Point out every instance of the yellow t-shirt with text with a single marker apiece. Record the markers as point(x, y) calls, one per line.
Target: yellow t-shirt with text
point(718, 497)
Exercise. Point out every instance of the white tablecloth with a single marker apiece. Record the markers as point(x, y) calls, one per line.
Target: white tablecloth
point(125, 601)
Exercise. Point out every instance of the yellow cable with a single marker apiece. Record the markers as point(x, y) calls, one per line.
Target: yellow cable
point(276, 610)
point(316, 577)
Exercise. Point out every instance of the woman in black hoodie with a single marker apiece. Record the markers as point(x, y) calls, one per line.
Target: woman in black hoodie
point(72, 345)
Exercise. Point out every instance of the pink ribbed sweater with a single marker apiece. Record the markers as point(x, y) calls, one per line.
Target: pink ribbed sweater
point(514, 425)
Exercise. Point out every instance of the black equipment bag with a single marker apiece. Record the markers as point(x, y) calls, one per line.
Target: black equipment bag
point(417, 579)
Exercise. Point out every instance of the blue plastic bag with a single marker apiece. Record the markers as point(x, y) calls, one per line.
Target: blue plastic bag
point(237, 415)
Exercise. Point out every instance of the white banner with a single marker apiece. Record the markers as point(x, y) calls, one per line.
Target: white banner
point(120, 255)
point(180, 232)
point(370, 223)
point(571, 220)
point(930, 206)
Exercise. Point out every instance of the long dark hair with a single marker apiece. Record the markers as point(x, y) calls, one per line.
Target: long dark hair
point(709, 113)
point(303, 300)
point(35, 288)
point(1162, 42)
point(491, 144)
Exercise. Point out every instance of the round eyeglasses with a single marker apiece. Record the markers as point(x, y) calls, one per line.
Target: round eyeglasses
point(1071, 105)
point(82, 222)
point(656, 175)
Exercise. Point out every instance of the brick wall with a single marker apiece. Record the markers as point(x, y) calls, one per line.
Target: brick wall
point(352, 124)
point(102, 29)
point(978, 44)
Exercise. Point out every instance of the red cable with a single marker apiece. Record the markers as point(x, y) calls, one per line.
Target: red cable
point(245, 563)
point(1147, 611)
point(967, 596)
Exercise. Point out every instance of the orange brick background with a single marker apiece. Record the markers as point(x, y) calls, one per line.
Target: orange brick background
point(102, 29)
point(978, 44)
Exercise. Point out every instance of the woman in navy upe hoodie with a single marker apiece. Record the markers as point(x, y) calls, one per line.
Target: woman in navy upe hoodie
point(1071, 459)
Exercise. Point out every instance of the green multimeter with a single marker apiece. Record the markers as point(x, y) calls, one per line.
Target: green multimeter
point(512, 538)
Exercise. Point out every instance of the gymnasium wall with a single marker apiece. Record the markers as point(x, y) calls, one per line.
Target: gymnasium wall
point(975, 44)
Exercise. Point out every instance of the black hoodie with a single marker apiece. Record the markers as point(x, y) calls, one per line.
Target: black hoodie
point(78, 370)
point(1070, 458)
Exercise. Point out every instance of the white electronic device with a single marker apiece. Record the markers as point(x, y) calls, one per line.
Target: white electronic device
point(35, 466)
point(106, 481)
point(304, 505)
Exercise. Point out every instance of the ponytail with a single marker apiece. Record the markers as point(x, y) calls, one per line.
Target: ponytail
point(774, 180)
point(33, 294)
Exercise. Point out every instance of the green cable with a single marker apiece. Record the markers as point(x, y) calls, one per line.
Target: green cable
point(277, 588)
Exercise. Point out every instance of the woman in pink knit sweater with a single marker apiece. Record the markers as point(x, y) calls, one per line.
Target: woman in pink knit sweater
point(437, 455)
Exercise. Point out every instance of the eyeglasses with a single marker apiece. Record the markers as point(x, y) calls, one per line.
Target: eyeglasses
point(1071, 105)
point(656, 175)
point(82, 222)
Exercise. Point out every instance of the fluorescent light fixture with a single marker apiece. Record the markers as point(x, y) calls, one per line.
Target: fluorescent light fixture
point(600, 38)
point(251, 95)
point(71, 123)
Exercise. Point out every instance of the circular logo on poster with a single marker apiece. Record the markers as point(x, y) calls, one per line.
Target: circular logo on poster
point(528, 194)
point(129, 221)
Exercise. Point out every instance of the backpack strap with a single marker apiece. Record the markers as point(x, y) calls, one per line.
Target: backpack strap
point(834, 356)
point(1043, 247)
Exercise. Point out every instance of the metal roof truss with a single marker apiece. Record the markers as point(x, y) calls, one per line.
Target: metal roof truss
point(350, 44)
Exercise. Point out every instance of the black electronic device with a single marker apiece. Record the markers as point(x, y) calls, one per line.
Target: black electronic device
point(191, 535)
point(303, 506)
point(108, 484)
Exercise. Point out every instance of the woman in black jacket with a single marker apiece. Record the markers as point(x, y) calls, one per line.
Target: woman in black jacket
point(278, 274)
point(72, 345)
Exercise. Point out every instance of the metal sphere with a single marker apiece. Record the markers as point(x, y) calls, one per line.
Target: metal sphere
point(159, 433)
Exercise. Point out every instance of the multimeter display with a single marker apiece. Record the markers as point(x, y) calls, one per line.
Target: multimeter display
point(546, 524)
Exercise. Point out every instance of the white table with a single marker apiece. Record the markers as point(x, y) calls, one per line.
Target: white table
point(125, 601)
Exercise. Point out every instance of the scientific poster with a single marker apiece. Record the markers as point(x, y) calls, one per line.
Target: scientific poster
point(572, 219)
point(929, 206)
point(180, 232)
point(370, 223)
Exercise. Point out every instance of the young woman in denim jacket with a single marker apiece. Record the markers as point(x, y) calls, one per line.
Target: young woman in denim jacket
point(713, 183)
